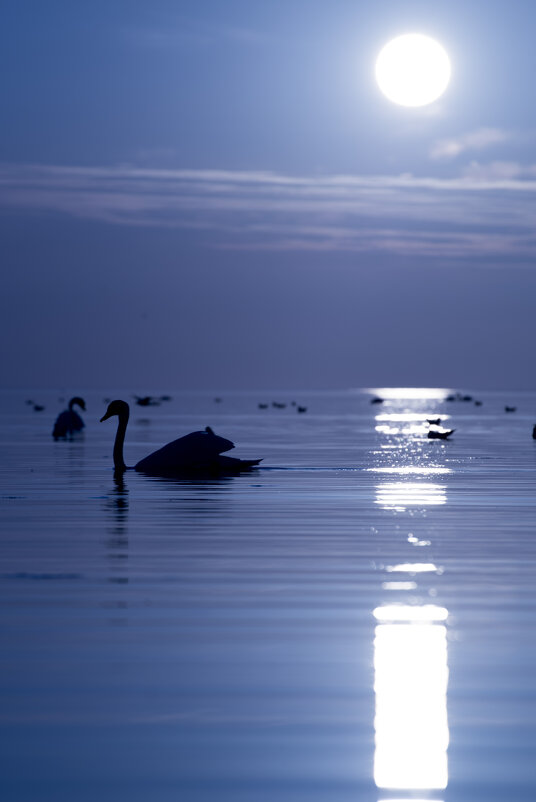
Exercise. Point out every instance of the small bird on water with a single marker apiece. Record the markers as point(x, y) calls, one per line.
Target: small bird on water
point(440, 434)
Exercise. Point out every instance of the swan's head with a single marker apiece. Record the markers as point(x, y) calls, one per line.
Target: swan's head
point(119, 408)
point(78, 401)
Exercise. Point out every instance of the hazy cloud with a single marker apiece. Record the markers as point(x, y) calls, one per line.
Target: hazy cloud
point(487, 212)
point(192, 33)
point(498, 171)
point(473, 140)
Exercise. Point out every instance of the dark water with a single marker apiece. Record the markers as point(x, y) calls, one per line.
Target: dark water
point(354, 621)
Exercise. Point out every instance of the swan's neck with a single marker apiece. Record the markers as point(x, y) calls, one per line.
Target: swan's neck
point(119, 462)
point(71, 404)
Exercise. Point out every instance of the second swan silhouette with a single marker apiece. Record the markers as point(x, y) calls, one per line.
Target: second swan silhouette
point(69, 422)
point(194, 454)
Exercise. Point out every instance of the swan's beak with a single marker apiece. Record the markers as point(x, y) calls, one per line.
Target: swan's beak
point(105, 417)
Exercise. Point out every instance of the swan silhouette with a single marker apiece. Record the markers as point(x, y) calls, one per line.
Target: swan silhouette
point(197, 453)
point(69, 421)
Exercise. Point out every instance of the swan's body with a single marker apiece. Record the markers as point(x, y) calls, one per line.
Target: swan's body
point(69, 421)
point(197, 453)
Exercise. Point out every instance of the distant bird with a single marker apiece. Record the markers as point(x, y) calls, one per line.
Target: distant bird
point(510, 409)
point(278, 405)
point(450, 398)
point(466, 398)
point(440, 434)
point(376, 400)
point(38, 407)
point(263, 406)
point(478, 403)
point(433, 421)
point(195, 454)
point(302, 409)
point(69, 421)
point(165, 398)
point(146, 401)
point(534, 432)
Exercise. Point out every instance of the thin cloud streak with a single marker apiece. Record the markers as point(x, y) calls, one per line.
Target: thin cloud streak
point(486, 214)
point(472, 140)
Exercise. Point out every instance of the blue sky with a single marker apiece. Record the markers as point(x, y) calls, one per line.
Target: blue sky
point(216, 195)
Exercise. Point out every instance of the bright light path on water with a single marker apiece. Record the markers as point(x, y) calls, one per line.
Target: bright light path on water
point(410, 393)
point(401, 495)
point(411, 677)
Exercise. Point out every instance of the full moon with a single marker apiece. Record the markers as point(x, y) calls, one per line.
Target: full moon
point(413, 70)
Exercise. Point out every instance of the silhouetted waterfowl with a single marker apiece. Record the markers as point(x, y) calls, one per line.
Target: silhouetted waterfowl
point(263, 406)
point(195, 454)
point(478, 403)
point(433, 421)
point(146, 401)
point(439, 434)
point(450, 398)
point(376, 400)
point(510, 409)
point(466, 398)
point(69, 421)
point(302, 409)
point(165, 398)
point(38, 407)
point(278, 405)
point(534, 432)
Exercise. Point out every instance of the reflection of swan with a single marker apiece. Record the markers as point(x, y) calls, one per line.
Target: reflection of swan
point(69, 421)
point(195, 453)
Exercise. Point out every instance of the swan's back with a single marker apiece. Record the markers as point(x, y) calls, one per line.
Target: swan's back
point(194, 451)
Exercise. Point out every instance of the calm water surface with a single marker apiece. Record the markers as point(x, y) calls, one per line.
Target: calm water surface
point(354, 621)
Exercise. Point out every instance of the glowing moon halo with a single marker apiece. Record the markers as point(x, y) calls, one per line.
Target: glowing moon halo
point(413, 70)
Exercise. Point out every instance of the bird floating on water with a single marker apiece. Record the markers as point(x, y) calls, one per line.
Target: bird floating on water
point(69, 421)
point(433, 421)
point(510, 409)
point(195, 454)
point(439, 434)
point(146, 401)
